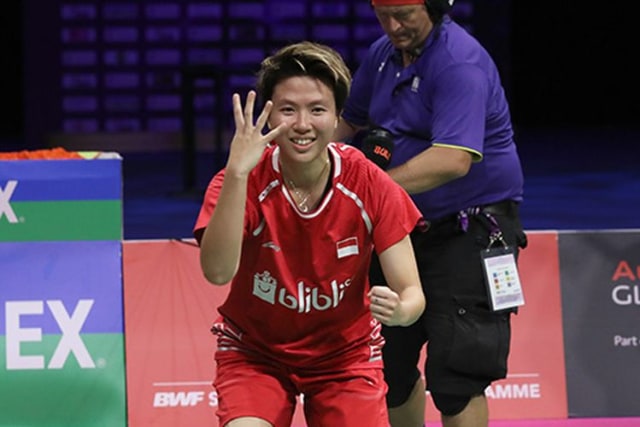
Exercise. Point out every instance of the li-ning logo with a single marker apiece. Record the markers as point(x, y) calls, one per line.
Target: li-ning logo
point(265, 287)
point(5, 206)
point(271, 245)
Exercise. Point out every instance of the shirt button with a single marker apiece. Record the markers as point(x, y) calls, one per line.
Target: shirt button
point(461, 311)
point(397, 75)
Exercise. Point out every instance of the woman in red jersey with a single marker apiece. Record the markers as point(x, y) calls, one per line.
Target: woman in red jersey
point(290, 223)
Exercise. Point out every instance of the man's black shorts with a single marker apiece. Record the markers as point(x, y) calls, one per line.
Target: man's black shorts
point(467, 343)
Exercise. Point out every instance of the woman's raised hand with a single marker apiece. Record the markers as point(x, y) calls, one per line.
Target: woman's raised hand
point(248, 142)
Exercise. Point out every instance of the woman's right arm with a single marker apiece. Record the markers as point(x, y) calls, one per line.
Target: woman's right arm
point(221, 244)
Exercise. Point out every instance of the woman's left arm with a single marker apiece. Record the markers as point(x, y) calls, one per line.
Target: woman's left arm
point(402, 302)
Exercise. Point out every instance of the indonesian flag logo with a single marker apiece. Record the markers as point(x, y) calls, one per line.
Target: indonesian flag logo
point(347, 247)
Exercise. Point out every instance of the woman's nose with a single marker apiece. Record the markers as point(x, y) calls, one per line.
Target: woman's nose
point(302, 122)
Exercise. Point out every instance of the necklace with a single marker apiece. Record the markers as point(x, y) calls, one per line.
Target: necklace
point(302, 198)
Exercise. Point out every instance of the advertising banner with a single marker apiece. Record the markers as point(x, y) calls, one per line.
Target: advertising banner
point(61, 346)
point(61, 200)
point(535, 385)
point(600, 279)
point(61, 316)
point(169, 308)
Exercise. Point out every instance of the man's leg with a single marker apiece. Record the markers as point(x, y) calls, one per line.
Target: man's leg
point(410, 413)
point(475, 414)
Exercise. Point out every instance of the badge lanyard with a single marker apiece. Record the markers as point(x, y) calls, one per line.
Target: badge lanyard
point(501, 272)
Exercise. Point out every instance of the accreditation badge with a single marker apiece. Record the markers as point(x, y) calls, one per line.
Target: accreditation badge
point(502, 279)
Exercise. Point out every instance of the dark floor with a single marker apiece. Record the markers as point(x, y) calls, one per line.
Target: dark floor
point(574, 180)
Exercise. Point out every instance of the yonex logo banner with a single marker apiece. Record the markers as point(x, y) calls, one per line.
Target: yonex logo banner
point(54, 200)
point(70, 341)
point(5, 205)
point(61, 328)
point(61, 308)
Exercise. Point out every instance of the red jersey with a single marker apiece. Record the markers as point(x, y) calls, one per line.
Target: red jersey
point(299, 295)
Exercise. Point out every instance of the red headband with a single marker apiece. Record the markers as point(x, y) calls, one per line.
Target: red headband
point(395, 2)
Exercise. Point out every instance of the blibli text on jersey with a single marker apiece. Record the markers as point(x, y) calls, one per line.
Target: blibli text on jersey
point(306, 299)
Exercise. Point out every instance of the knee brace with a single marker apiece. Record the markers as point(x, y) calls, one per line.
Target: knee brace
point(450, 404)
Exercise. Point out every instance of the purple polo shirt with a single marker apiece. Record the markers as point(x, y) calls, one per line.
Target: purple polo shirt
point(451, 95)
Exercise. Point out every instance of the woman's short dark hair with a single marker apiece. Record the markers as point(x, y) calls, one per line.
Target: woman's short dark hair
point(305, 59)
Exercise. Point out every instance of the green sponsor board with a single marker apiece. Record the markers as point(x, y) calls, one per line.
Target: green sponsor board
point(71, 396)
point(63, 221)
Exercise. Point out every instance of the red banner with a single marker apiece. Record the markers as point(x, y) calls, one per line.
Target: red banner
point(535, 386)
point(169, 308)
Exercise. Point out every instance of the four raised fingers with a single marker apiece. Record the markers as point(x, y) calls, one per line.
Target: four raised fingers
point(264, 115)
point(248, 108)
point(237, 111)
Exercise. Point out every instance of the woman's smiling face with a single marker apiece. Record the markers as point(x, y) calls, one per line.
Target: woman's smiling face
point(307, 105)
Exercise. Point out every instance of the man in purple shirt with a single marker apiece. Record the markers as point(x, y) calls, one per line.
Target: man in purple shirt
point(438, 94)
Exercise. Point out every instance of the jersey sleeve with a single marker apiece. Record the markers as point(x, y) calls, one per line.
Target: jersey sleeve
point(209, 205)
point(396, 215)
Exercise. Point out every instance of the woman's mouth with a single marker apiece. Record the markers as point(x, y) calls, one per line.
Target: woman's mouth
point(302, 141)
